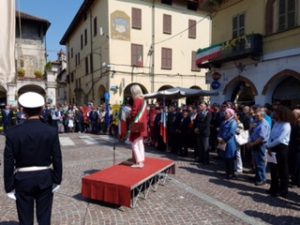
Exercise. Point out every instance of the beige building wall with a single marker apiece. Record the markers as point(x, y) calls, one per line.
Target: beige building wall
point(112, 53)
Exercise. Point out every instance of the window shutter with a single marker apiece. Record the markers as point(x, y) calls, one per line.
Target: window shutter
point(166, 58)
point(85, 37)
point(194, 65)
point(86, 65)
point(95, 26)
point(167, 24)
point(192, 29)
point(137, 55)
point(136, 15)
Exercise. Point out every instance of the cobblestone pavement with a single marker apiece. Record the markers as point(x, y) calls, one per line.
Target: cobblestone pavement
point(194, 195)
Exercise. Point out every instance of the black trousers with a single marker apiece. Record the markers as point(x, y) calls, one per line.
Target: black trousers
point(202, 149)
point(34, 187)
point(229, 166)
point(279, 171)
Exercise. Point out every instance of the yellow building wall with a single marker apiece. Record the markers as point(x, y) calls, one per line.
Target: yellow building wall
point(254, 23)
point(222, 20)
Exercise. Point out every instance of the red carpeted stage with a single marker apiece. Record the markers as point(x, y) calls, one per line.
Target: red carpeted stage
point(121, 184)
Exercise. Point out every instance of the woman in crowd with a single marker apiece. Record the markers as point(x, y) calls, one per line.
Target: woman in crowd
point(294, 149)
point(278, 143)
point(138, 114)
point(226, 137)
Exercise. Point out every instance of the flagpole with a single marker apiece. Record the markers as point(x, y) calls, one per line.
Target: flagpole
point(165, 117)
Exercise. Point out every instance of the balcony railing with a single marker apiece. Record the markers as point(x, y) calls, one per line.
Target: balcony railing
point(237, 48)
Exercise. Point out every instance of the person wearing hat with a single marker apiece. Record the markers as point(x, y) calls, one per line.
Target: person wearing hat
point(32, 162)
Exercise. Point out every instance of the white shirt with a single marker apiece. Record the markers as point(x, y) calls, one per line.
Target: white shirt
point(280, 134)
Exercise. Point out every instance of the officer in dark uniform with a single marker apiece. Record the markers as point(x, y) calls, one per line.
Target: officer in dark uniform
point(32, 163)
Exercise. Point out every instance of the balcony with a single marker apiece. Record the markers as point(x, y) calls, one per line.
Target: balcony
point(237, 48)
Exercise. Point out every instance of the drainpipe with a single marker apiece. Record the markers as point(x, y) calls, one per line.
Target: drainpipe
point(91, 55)
point(152, 69)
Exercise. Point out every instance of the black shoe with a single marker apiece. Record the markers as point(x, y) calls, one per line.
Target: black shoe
point(275, 194)
point(272, 193)
point(230, 176)
point(283, 194)
point(260, 183)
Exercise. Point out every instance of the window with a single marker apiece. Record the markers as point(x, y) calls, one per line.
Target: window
point(85, 37)
point(194, 65)
point(287, 14)
point(95, 26)
point(72, 77)
point(91, 62)
point(71, 52)
point(238, 26)
point(78, 58)
point(136, 16)
point(136, 55)
point(166, 58)
point(167, 24)
point(86, 65)
point(192, 29)
point(81, 41)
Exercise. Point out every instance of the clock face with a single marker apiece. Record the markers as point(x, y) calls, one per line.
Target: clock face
point(120, 26)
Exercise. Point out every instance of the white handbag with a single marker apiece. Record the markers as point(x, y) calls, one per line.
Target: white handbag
point(243, 137)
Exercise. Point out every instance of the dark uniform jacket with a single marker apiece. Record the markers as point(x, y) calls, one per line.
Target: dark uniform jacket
point(32, 143)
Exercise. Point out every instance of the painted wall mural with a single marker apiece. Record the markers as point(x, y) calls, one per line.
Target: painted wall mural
point(120, 25)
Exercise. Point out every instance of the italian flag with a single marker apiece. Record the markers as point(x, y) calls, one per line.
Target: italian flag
point(208, 54)
point(163, 126)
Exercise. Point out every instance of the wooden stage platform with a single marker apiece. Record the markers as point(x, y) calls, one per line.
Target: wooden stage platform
point(123, 185)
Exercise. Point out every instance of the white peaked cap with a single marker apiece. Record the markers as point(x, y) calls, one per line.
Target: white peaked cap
point(31, 100)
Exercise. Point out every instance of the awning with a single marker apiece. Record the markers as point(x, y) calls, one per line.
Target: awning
point(179, 92)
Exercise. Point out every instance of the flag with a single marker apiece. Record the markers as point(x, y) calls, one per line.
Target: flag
point(7, 40)
point(208, 54)
point(163, 126)
point(122, 128)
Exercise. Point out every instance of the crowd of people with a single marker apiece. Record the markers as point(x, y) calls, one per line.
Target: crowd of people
point(273, 131)
point(67, 118)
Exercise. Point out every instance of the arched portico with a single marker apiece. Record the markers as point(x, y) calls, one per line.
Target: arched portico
point(240, 90)
point(33, 88)
point(194, 99)
point(127, 93)
point(284, 86)
point(3, 97)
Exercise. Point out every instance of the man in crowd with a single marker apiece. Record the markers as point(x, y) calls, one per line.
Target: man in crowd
point(257, 144)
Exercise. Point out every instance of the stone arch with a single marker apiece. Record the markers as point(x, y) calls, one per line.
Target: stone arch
point(196, 87)
point(3, 96)
point(284, 86)
point(31, 87)
point(194, 99)
point(239, 79)
point(277, 78)
point(165, 87)
point(127, 94)
point(240, 90)
point(100, 94)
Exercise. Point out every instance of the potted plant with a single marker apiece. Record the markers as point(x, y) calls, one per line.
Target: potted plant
point(48, 66)
point(21, 72)
point(38, 74)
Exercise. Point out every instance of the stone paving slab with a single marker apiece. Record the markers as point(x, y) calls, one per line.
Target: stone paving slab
point(195, 195)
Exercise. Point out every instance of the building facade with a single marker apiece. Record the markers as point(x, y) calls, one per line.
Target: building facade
point(113, 44)
point(30, 61)
point(255, 51)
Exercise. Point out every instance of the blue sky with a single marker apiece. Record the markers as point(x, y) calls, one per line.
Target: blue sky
point(58, 12)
